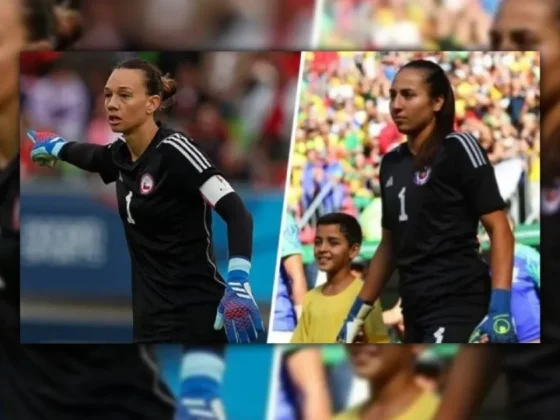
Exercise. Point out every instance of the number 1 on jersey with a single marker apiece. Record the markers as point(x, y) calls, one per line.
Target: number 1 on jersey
point(402, 216)
point(129, 218)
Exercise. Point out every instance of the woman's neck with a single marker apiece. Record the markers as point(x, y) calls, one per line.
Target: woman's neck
point(9, 133)
point(139, 139)
point(416, 140)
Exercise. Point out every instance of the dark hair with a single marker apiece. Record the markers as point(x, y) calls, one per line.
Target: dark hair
point(349, 226)
point(39, 20)
point(438, 85)
point(156, 82)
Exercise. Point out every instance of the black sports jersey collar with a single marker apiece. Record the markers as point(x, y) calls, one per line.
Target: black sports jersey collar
point(122, 155)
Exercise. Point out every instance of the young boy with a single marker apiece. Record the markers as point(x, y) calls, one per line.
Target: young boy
point(337, 243)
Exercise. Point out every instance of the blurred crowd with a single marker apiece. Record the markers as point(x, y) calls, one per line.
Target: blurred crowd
point(412, 24)
point(344, 126)
point(195, 24)
point(237, 106)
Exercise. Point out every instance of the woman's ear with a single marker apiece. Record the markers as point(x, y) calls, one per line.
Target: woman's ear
point(154, 102)
point(438, 103)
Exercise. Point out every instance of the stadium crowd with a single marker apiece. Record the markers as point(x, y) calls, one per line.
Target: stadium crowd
point(237, 106)
point(195, 24)
point(413, 24)
point(344, 126)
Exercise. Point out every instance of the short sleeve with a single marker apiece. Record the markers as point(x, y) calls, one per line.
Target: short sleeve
point(291, 244)
point(474, 172)
point(188, 164)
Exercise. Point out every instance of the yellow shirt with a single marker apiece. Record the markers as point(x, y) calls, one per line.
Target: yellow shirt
point(322, 317)
point(424, 408)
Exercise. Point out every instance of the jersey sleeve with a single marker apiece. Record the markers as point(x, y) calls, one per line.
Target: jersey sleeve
point(475, 173)
point(291, 244)
point(190, 166)
point(92, 158)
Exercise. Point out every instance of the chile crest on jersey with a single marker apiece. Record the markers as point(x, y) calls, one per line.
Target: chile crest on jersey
point(421, 177)
point(146, 184)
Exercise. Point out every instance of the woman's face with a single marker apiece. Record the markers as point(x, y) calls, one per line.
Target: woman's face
point(127, 103)
point(377, 362)
point(411, 106)
point(522, 25)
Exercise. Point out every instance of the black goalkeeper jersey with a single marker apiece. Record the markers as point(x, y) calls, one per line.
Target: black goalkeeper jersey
point(168, 227)
point(433, 215)
point(9, 247)
point(69, 382)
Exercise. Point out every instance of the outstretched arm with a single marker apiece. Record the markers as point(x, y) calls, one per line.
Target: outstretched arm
point(49, 147)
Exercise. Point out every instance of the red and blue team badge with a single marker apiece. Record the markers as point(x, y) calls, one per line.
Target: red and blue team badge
point(146, 184)
point(421, 177)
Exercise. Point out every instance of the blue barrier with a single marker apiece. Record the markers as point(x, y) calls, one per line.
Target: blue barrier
point(73, 247)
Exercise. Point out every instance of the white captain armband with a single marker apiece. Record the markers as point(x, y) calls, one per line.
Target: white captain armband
point(215, 188)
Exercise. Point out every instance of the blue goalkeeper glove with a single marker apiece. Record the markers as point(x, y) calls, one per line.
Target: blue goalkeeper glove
point(354, 321)
point(200, 400)
point(46, 147)
point(498, 325)
point(238, 312)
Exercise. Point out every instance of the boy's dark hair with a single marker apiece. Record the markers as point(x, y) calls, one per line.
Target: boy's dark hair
point(40, 20)
point(349, 226)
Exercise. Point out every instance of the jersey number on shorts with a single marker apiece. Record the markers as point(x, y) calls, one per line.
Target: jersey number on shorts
point(403, 217)
point(129, 218)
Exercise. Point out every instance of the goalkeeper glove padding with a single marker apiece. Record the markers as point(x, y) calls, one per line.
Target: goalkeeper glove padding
point(238, 312)
point(46, 147)
point(200, 399)
point(498, 325)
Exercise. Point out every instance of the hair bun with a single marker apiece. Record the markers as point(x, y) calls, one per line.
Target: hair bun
point(169, 87)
